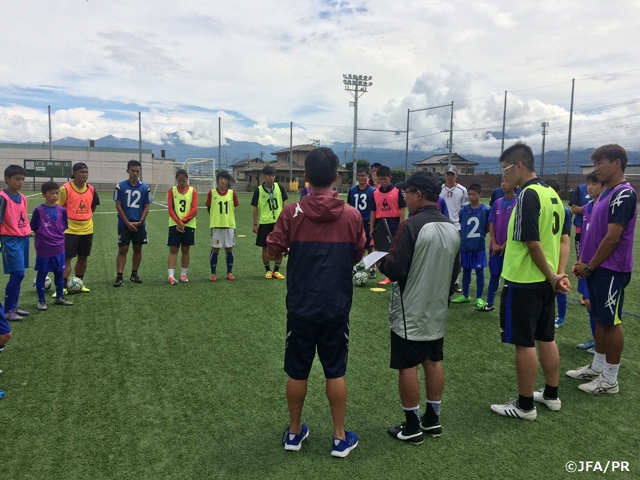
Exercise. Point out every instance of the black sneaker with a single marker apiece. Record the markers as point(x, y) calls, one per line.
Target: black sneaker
point(456, 287)
point(434, 430)
point(135, 278)
point(402, 433)
point(119, 281)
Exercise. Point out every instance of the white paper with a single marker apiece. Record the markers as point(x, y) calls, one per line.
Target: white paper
point(372, 258)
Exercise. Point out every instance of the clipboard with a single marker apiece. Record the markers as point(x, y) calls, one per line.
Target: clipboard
point(382, 238)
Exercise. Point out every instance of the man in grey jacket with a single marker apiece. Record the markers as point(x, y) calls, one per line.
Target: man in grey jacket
point(423, 263)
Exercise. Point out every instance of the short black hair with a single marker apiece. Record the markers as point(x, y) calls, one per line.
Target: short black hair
point(223, 174)
point(133, 163)
point(384, 171)
point(475, 187)
point(268, 170)
point(519, 152)
point(321, 166)
point(12, 170)
point(593, 178)
point(182, 171)
point(553, 183)
point(363, 170)
point(611, 152)
point(48, 186)
point(375, 165)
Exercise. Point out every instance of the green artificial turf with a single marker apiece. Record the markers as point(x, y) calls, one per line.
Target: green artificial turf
point(186, 381)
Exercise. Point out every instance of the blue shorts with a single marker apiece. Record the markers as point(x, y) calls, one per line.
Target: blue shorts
point(495, 264)
point(50, 264)
point(473, 260)
point(4, 325)
point(15, 254)
point(606, 293)
point(331, 339)
point(527, 315)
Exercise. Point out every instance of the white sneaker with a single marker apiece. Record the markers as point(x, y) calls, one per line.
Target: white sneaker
point(583, 373)
point(511, 409)
point(552, 404)
point(599, 385)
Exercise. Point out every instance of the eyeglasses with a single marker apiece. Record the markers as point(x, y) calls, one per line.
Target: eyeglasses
point(408, 190)
point(504, 169)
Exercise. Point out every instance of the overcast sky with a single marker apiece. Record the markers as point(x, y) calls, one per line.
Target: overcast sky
point(262, 64)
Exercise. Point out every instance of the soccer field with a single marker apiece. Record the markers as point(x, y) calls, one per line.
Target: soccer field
point(186, 381)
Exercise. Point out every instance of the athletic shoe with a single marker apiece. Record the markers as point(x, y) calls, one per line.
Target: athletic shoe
point(135, 278)
point(512, 410)
point(63, 301)
point(42, 305)
point(230, 277)
point(583, 373)
point(20, 312)
point(64, 292)
point(293, 441)
point(213, 277)
point(591, 350)
point(372, 273)
point(559, 322)
point(269, 274)
point(586, 345)
point(384, 281)
point(486, 308)
point(461, 299)
point(184, 279)
point(173, 281)
point(456, 287)
point(278, 275)
point(342, 448)
point(402, 433)
point(13, 317)
point(599, 385)
point(434, 430)
point(480, 303)
point(84, 289)
point(552, 404)
point(118, 283)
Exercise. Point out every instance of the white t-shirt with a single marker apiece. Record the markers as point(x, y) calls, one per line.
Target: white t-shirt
point(455, 198)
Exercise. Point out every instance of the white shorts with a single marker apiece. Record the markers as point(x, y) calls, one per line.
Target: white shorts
point(223, 237)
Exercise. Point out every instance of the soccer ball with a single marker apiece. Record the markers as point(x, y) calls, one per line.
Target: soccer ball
point(74, 285)
point(361, 278)
point(47, 283)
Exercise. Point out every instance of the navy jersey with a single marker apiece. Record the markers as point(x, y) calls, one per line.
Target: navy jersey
point(580, 197)
point(132, 199)
point(473, 227)
point(362, 200)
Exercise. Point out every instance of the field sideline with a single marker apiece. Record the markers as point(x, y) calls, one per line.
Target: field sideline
point(186, 381)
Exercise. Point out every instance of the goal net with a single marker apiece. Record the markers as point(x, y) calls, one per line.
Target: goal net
point(202, 177)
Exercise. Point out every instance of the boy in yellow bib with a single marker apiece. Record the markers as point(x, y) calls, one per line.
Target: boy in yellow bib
point(221, 205)
point(183, 206)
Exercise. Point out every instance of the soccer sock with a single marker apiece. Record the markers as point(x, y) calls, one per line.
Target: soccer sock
point(466, 281)
point(12, 292)
point(59, 281)
point(267, 266)
point(525, 403)
point(119, 274)
point(276, 267)
point(562, 304)
point(81, 277)
point(599, 360)
point(592, 321)
point(479, 282)
point(134, 273)
point(550, 392)
point(494, 283)
point(432, 413)
point(213, 261)
point(184, 271)
point(610, 372)
point(40, 278)
point(172, 273)
point(229, 262)
point(412, 414)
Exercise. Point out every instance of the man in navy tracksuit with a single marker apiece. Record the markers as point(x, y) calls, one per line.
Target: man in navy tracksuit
point(325, 238)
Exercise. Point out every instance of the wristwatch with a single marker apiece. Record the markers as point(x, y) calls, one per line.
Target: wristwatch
point(587, 268)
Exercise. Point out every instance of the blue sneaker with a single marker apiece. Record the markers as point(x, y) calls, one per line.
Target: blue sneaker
point(342, 448)
point(559, 322)
point(586, 345)
point(292, 441)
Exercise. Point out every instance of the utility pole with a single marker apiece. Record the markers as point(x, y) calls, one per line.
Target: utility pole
point(504, 121)
point(566, 173)
point(544, 126)
point(356, 85)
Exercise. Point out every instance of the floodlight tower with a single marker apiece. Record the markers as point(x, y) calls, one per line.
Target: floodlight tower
point(544, 126)
point(356, 85)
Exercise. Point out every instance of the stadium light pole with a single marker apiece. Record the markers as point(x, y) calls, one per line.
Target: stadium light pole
point(356, 85)
point(544, 126)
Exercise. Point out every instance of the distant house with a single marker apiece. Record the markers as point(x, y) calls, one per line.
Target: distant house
point(439, 164)
point(237, 169)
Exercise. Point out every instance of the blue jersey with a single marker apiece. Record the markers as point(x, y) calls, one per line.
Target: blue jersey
point(580, 197)
point(473, 227)
point(132, 199)
point(362, 200)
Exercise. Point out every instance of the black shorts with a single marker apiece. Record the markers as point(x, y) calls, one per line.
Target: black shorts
point(331, 339)
point(126, 236)
point(264, 229)
point(527, 315)
point(409, 353)
point(77, 245)
point(368, 245)
point(606, 293)
point(185, 239)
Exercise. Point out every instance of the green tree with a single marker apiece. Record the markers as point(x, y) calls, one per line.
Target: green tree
point(398, 176)
point(349, 166)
